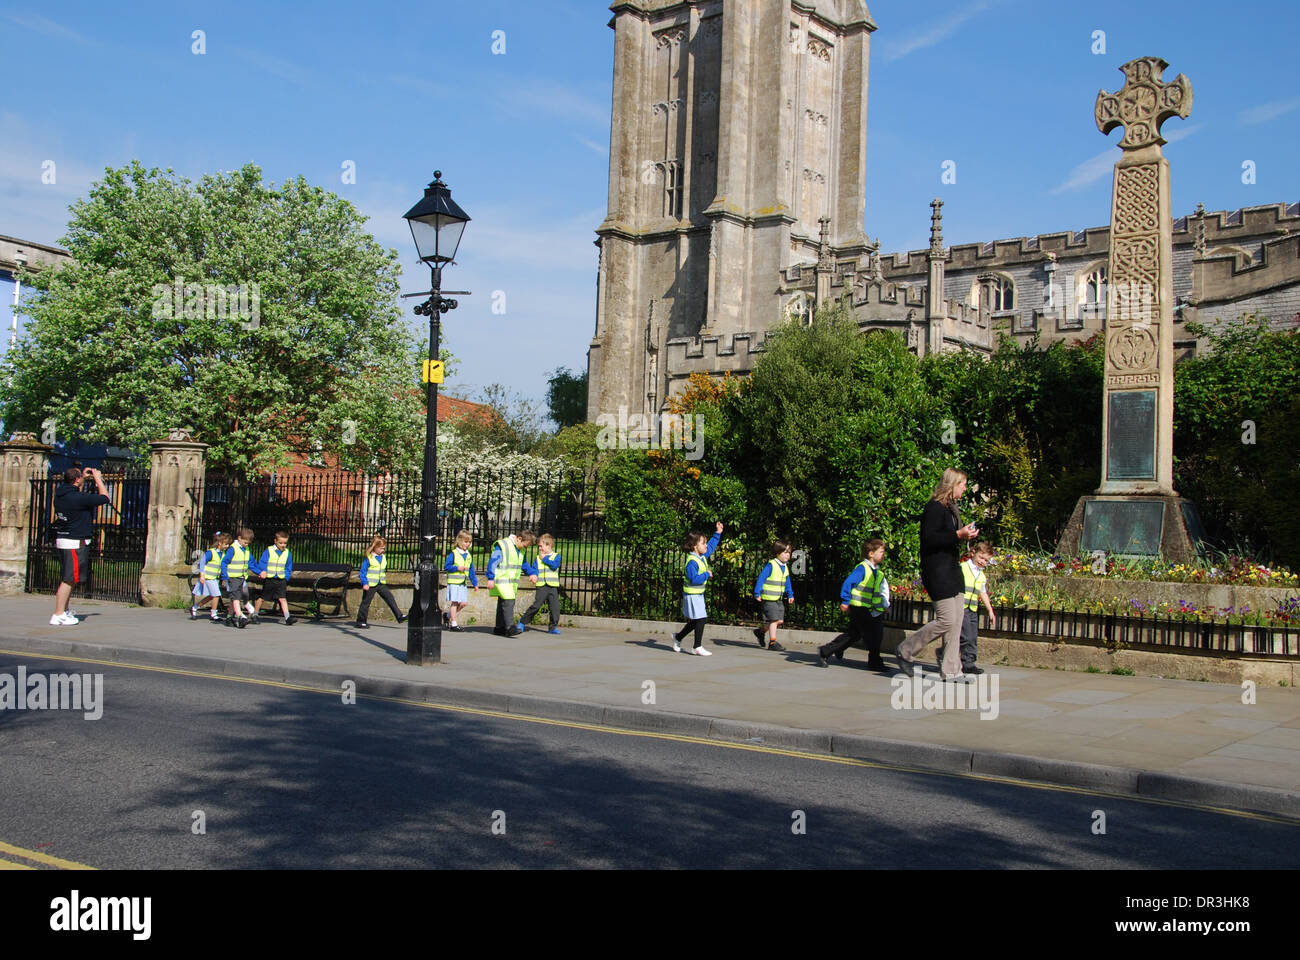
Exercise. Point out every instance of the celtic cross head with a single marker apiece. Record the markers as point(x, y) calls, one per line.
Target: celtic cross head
point(1144, 103)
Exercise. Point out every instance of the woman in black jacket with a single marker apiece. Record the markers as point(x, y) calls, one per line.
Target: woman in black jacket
point(941, 534)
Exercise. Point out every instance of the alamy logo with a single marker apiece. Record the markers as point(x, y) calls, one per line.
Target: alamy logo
point(58, 691)
point(74, 913)
point(640, 431)
point(921, 693)
point(196, 301)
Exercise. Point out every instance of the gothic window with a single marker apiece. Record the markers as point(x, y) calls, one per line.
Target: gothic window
point(1092, 291)
point(993, 293)
point(672, 189)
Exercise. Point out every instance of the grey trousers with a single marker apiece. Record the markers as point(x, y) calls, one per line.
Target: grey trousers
point(945, 626)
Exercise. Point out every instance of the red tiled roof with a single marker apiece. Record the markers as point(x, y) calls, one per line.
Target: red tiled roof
point(450, 408)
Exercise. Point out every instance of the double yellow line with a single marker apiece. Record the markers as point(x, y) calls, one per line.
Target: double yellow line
point(8, 850)
point(680, 738)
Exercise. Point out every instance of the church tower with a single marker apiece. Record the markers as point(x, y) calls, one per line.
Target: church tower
point(737, 148)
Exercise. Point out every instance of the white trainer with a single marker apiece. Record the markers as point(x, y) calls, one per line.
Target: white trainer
point(677, 647)
point(701, 652)
point(63, 620)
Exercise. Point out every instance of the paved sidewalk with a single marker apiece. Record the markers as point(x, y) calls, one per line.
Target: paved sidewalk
point(1171, 739)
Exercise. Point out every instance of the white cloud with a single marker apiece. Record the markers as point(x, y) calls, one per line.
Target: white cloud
point(48, 27)
point(1268, 111)
point(594, 147)
point(535, 96)
point(936, 33)
point(1094, 168)
point(34, 210)
point(276, 66)
point(432, 90)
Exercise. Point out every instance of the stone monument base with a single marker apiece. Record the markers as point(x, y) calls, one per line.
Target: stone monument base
point(1134, 525)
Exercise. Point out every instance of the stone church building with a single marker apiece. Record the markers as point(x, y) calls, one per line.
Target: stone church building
point(737, 186)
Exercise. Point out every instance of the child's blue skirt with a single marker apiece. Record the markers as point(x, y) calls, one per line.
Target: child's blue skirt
point(693, 606)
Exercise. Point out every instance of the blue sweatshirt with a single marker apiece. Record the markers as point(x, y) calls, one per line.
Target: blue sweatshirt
point(264, 564)
point(762, 579)
point(228, 557)
point(365, 570)
point(526, 569)
point(695, 576)
point(856, 577)
point(450, 567)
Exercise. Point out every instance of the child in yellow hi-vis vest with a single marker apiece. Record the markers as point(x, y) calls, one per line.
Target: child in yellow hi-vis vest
point(374, 579)
point(275, 568)
point(209, 584)
point(504, 569)
point(976, 591)
point(548, 585)
point(695, 578)
point(460, 570)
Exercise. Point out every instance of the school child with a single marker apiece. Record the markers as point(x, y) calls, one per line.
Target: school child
point(695, 578)
point(504, 568)
point(548, 585)
point(773, 583)
point(234, 570)
point(460, 568)
point(209, 584)
point(865, 595)
point(374, 579)
point(972, 571)
point(275, 568)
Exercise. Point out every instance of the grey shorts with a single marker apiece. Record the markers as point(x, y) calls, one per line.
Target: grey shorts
point(773, 610)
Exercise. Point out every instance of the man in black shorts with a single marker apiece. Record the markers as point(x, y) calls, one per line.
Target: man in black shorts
point(74, 525)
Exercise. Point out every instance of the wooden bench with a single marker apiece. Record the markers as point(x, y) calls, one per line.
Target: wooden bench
point(321, 576)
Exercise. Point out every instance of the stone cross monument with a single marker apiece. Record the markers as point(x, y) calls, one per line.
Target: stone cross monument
point(1136, 510)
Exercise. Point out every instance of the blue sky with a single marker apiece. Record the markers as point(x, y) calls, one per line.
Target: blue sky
point(1002, 88)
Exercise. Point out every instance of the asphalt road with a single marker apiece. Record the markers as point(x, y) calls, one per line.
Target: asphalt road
point(287, 778)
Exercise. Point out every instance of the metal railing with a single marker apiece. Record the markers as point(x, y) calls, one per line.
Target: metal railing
point(331, 516)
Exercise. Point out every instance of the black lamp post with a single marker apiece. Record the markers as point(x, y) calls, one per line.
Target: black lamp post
point(436, 227)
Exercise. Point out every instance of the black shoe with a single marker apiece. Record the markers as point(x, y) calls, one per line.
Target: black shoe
point(761, 636)
point(242, 622)
point(514, 633)
point(775, 646)
point(875, 663)
point(972, 670)
point(402, 619)
point(361, 626)
point(839, 655)
point(289, 621)
point(821, 658)
point(499, 632)
point(455, 628)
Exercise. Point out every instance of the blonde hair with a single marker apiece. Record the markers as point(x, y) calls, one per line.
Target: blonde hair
point(379, 542)
point(547, 539)
point(947, 484)
point(464, 537)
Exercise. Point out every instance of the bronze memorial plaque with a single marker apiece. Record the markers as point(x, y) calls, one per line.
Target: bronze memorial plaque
point(1123, 526)
point(1131, 443)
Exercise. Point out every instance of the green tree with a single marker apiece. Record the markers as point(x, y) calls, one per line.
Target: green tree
point(1027, 423)
point(837, 438)
point(264, 318)
point(566, 397)
point(1235, 435)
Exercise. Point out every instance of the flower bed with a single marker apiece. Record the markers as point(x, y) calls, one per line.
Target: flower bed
point(1243, 594)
